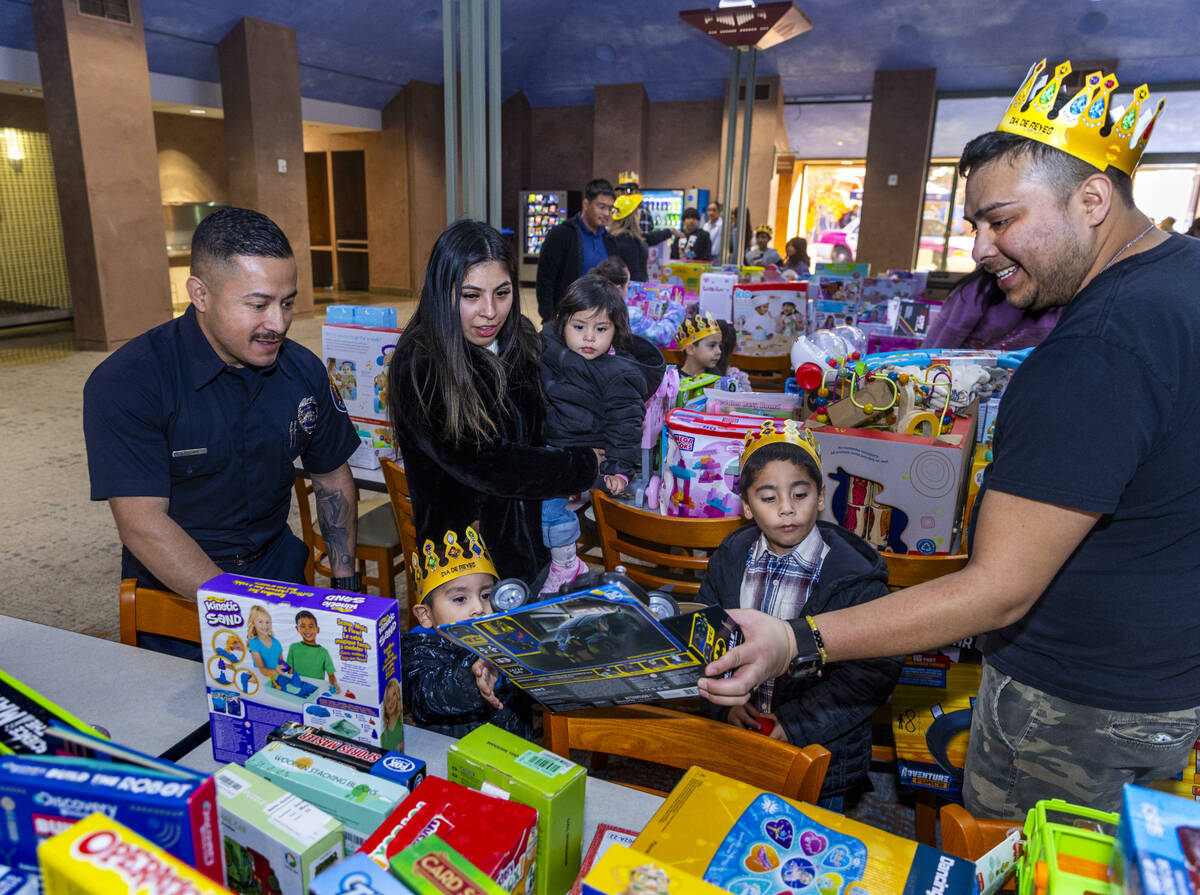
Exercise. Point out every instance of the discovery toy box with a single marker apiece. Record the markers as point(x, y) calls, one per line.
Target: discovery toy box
point(751, 842)
point(496, 835)
point(99, 856)
point(1158, 844)
point(357, 358)
point(358, 875)
point(621, 870)
point(277, 652)
point(432, 867)
point(14, 883)
point(42, 798)
point(393, 766)
point(769, 316)
point(498, 762)
point(904, 493)
point(360, 801)
point(273, 841)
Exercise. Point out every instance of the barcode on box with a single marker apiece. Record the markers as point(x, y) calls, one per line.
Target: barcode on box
point(678, 694)
point(543, 762)
point(229, 785)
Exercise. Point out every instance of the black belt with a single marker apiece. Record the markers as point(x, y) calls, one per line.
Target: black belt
point(238, 560)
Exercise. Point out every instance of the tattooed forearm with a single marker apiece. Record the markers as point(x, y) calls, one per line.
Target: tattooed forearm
point(337, 507)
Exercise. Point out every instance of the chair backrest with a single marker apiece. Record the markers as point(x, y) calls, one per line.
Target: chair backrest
point(970, 837)
point(767, 373)
point(672, 355)
point(665, 736)
point(905, 570)
point(309, 532)
point(396, 481)
point(627, 533)
point(161, 612)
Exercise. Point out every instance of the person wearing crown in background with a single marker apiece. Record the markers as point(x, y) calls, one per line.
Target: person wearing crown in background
point(699, 338)
point(787, 564)
point(1085, 555)
point(448, 689)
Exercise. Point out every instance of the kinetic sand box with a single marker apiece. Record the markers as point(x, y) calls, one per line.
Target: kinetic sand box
point(277, 652)
point(751, 842)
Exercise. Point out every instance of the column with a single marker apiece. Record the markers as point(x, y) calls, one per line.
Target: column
point(898, 144)
point(260, 91)
point(423, 111)
point(97, 91)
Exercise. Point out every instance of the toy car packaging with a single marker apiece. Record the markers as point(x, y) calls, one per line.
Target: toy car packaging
point(621, 870)
point(99, 856)
point(496, 835)
point(1158, 844)
point(273, 841)
point(498, 762)
point(432, 867)
point(276, 652)
point(42, 797)
point(357, 875)
point(745, 840)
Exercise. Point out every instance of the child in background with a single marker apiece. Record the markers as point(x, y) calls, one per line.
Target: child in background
point(728, 349)
point(788, 564)
point(616, 272)
point(264, 647)
point(598, 377)
point(699, 338)
point(305, 656)
point(448, 689)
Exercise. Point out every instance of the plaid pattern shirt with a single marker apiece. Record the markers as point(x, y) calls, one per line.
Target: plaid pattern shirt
point(780, 586)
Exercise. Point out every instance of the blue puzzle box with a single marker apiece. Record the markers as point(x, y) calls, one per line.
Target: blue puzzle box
point(277, 652)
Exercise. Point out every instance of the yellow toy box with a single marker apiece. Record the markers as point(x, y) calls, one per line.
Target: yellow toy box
point(685, 274)
point(98, 856)
point(621, 869)
point(751, 842)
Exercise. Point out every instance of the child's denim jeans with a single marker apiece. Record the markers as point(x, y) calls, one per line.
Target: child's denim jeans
point(560, 526)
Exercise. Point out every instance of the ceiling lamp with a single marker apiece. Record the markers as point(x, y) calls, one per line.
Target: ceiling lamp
point(742, 23)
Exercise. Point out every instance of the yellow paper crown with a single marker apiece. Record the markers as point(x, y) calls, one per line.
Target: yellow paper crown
point(1083, 127)
point(625, 177)
point(435, 569)
point(781, 432)
point(693, 329)
point(764, 228)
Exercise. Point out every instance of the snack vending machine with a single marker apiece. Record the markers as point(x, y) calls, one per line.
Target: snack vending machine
point(540, 210)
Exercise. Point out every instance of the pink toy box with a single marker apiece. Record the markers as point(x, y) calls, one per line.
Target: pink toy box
point(334, 663)
point(701, 457)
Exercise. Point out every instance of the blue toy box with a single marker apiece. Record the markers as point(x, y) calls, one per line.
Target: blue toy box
point(1158, 844)
point(357, 875)
point(276, 652)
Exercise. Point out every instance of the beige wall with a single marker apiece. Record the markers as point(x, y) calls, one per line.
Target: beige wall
point(191, 158)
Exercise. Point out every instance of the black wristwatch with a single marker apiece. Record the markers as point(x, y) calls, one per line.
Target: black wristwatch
point(810, 649)
point(352, 583)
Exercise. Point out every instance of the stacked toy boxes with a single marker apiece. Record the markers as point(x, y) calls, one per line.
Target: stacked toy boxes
point(277, 652)
point(357, 357)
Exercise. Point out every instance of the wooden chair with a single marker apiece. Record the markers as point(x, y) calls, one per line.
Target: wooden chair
point(378, 541)
point(672, 355)
point(665, 736)
point(767, 373)
point(628, 533)
point(396, 481)
point(970, 837)
point(161, 612)
point(905, 570)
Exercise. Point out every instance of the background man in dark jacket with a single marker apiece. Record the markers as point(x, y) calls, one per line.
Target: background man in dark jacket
point(574, 247)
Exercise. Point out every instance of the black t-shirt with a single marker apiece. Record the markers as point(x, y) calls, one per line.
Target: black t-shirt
point(1104, 416)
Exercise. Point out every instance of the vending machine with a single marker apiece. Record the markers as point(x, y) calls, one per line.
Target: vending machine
point(697, 199)
point(665, 207)
point(539, 210)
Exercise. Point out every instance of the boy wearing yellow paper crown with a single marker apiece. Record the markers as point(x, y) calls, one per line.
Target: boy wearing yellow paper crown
point(699, 338)
point(789, 565)
point(448, 689)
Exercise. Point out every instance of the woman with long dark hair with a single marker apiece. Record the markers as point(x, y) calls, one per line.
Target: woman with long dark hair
point(466, 404)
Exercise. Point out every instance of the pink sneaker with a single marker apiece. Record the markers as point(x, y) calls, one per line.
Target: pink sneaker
point(559, 576)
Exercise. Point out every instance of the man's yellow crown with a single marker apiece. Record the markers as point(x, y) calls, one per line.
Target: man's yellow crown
point(781, 432)
point(693, 329)
point(1083, 127)
point(434, 568)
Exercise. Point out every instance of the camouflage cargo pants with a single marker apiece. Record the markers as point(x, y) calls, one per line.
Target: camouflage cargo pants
point(1027, 745)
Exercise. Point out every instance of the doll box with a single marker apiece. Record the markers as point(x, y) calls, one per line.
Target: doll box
point(360, 801)
point(751, 842)
point(903, 493)
point(44, 797)
point(769, 316)
point(432, 867)
point(496, 835)
point(268, 833)
point(99, 856)
point(501, 763)
point(1158, 844)
point(354, 644)
point(622, 869)
point(357, 359)
point(357, 875)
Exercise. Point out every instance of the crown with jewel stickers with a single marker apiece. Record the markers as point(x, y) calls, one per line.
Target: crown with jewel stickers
point(781, 432)
point(696, 328)
point(1084, 127)
point(436, 567)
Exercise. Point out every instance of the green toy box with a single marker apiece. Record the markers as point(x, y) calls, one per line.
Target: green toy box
point(360, 801)
point(273, 841)
point(497, 762)
point(431, 867)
